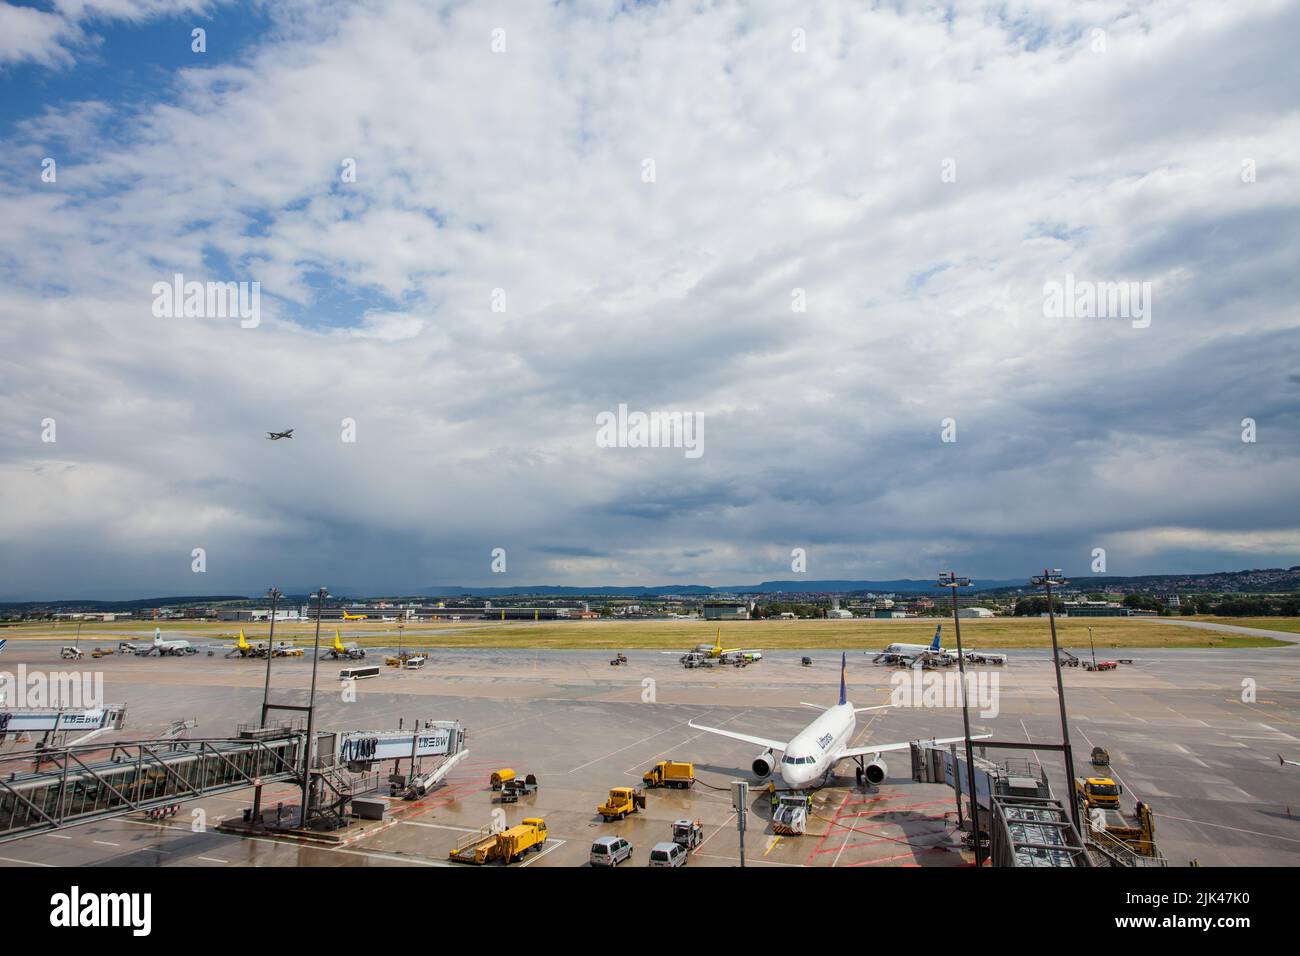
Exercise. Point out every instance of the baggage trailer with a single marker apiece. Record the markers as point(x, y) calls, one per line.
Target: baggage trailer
point(513, 789)
point(500, 777)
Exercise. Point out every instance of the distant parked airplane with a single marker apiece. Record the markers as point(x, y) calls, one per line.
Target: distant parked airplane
point(276, 436)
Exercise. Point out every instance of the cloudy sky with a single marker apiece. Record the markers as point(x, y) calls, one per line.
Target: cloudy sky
point(823, 230)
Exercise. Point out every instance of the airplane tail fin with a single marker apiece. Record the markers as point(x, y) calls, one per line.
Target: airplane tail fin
point(2, 645)
point(934, 645)
point(717, 642)
point(243, 641)
point(338, 641)
point(844, 663)
point(157, 635)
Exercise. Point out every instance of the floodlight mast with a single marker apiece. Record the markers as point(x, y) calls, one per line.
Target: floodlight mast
point(948, 579)
point(1046, 580)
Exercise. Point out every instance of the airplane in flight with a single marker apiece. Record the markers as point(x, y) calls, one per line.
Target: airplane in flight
point(351, 651)
point(276, 436)
point(815, 751)
point(175, 648)
point(353, 617)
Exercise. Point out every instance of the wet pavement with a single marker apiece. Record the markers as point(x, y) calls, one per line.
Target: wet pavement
point(1194, 733)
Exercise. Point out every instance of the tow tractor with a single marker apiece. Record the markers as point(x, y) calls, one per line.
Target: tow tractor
point(790, 813)
point(72, 653)
point(620, 659)
point(1100, 665)
point(688, 833)
point(694, 659)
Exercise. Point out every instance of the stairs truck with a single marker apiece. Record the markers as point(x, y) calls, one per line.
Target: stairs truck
point(484, 846)
point(621, 802)
point(1117, 830)
point(670, 773)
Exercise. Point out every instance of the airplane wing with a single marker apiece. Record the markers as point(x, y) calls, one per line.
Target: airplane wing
point(863, 710)
point(1282, 761)
point(747, 738)
point(882, 748)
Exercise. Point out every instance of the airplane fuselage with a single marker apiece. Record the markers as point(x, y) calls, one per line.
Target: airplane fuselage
point(817, 748)
point(912, 649)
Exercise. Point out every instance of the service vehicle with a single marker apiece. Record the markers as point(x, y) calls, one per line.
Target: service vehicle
point(1100, 792)
point(667, 854)
point(610, 851)
point(622, 801)
point(670, 773)
point(688, 833)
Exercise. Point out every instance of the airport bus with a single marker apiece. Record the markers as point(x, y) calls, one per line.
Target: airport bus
point(358, 673)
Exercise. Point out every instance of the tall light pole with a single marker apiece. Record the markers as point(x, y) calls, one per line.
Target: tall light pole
point(310, 745)
point(1046, 580)
point(950, 581)
point(274, 595)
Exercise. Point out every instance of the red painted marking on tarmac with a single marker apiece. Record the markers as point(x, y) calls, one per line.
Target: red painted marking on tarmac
point(898, 856)
point(831, 826)
point(885, 839)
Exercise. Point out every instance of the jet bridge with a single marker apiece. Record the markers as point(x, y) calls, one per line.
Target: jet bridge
point(1025, 825)
point(80, 784)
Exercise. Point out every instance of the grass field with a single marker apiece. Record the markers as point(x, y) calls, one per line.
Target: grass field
point(671, 635)
point(1289, 624)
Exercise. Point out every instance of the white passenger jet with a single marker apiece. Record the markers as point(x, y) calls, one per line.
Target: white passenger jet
point(815, 750)
point(176, 648)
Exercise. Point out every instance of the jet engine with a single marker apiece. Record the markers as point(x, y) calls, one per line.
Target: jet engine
point(764, 764)
point(877, 771)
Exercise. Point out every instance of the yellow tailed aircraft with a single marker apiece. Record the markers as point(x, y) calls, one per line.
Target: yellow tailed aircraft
point(340, 651)
point(353, 617)
point(728, 655)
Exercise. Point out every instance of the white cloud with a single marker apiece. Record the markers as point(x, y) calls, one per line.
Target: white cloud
point(775, 170)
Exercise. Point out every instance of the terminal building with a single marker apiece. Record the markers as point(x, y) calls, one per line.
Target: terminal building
point(728, 611)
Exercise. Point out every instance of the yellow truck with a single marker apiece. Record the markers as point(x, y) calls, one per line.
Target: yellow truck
point(484, 846)
point(670, 773)
point(1100, 792)
point(621, 802)
point(1137, 832)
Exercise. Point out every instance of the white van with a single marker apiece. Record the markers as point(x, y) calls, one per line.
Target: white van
point(610, 851)
point(667, 854)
